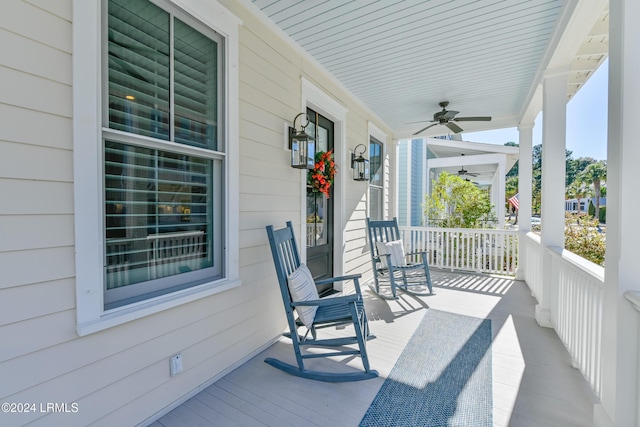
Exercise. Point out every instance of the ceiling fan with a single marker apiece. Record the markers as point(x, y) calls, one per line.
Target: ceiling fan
point(473, 182)
point(464, 172)
point(448, 117)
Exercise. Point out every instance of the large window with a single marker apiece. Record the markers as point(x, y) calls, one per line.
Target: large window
point(376, 181)
point(162, 196)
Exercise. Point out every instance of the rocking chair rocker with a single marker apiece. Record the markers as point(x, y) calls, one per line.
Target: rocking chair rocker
point(299, 293)
point(388, 257)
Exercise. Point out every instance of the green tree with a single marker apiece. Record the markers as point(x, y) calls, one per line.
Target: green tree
point(456, 203)
point(595, 174)
point(575, 167)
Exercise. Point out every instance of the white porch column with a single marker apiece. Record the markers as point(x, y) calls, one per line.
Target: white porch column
point(620, 402)
point(525, 177)
point(554, 125)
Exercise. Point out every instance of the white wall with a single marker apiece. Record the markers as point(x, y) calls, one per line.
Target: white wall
point(120, 376)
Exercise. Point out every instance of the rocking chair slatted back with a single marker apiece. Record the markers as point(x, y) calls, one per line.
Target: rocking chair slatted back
point(382, 231)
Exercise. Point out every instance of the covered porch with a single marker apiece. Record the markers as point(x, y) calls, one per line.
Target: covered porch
point(564, 336)
point(534, 382)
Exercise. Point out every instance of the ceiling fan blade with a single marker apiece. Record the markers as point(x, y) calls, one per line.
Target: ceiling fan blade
point(464, 172)
point(473, 119)
point(421, 121)
point(422, 130)
point(454, 127)
point(450, 114)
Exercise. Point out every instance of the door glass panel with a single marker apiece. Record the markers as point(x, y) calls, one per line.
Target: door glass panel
point(322, 141)
point(316, 215)
point(317, 202)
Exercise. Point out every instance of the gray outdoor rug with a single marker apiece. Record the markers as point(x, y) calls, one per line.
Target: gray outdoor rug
point(442, 377)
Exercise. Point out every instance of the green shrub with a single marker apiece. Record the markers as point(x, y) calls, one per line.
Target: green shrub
point(583, 237)
point(603, 214)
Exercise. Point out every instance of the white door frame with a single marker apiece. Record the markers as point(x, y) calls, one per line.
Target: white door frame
point(315, 98)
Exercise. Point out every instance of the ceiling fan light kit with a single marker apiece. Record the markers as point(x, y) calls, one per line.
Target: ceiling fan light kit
point(448, 117)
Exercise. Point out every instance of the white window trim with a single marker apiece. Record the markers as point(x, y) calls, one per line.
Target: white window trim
point(376, 133)
point(87, 154)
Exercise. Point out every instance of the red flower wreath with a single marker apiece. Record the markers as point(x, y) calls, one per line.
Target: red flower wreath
point(322, 175)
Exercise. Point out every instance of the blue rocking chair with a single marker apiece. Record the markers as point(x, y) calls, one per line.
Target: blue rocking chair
point(300, 296)
point(388, 257)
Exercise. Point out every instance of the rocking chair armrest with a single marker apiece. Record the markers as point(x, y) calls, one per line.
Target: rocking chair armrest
point(354, 277)
point(347, 299)
point(338, 279)
point(416, 253)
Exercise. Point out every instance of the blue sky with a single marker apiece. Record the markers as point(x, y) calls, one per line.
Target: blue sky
point(586, 121)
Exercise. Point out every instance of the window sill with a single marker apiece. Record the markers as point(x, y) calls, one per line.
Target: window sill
point(135, 311)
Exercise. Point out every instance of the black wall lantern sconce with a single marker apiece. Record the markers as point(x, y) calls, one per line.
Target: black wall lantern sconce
point(303, 146)
point(359, 164)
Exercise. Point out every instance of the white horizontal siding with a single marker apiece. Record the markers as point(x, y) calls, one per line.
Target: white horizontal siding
point(24, 197)
point(42, 61)
point(39, 24)
point(35, 266)
point(269, 120)
point(265, 137)
point(267, 186)
point(23, 232)
point(31, 127)
point(18, 303)
point(22, 161)
point(49, 330)
point(26, 91)
point(61, 9)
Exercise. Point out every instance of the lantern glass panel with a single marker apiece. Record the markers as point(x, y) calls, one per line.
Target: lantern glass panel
point(302, 150)
point(361, 169)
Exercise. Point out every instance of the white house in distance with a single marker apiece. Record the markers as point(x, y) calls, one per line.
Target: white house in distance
point(571, 205)
point(421, 160)
point(130, 127)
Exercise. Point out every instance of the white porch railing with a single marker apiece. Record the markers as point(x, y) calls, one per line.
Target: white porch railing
point(477, 250)
point(575, 303)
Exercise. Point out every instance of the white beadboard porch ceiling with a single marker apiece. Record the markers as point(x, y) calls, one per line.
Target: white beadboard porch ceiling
point(402, 57)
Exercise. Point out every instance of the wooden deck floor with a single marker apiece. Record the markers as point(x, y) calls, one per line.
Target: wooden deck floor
point(534, 383)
